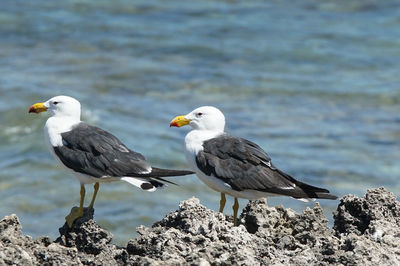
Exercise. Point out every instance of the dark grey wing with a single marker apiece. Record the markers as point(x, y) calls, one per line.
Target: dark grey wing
point(244, 165)
point(95, 152)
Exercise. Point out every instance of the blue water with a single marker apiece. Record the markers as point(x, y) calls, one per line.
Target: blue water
point(315, 83)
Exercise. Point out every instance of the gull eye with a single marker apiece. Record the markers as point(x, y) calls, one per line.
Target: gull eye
point(55, 103)
point(199, 114)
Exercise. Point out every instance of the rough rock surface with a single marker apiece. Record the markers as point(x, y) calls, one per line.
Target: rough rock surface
point(366, 231)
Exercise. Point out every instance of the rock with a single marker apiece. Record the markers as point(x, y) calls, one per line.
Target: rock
point(194, 234)
point(85, 243)
point(85, 235)
point(286, 237)
point(369, 228)
point(360, 215)
point(88, 238)
point(366, 231)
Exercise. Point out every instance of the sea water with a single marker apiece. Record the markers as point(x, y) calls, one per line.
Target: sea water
point(315, 83)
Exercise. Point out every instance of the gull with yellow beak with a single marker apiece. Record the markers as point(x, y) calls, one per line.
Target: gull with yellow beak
point(236, 166)
point(94, 155)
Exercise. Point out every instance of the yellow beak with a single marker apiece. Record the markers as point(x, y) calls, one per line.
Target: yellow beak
point(179, 121)
point(37, 108)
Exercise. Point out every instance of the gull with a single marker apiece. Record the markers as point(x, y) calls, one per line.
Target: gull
point(236, 166)
point(93, 154)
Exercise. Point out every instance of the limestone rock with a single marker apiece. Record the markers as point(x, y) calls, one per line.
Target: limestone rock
point(366, 231)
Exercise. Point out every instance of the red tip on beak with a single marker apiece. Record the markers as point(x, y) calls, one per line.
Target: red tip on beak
point(37, 108)
point(32, 110)
point(173, 124)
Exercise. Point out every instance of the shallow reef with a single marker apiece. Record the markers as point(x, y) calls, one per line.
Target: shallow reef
point(366, 231)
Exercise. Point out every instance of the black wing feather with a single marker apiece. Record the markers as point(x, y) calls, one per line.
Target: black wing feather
point(90, 150)
point(244, 165)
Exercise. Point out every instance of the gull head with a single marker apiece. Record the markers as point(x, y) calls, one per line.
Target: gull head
point(60, 106)
point(202, 118)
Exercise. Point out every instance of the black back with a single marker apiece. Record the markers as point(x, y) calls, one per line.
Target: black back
point(93, 151)
point(245, 166)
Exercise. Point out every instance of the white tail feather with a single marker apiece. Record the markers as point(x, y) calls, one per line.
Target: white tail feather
point(139, 183)
point(305, 200)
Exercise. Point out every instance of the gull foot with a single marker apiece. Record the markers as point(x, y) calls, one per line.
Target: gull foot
point(75, 213)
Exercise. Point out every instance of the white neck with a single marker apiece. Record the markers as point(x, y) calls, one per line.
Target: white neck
point(70, 114)
point(55, 126)
point(194, 143)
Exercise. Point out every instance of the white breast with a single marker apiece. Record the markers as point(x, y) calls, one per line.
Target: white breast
point(54, 127)
point(193, 145)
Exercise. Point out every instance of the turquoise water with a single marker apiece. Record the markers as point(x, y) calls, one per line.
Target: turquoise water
point(315, 83)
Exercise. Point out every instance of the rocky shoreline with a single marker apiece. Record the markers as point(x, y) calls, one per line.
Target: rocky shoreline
point(366, 231)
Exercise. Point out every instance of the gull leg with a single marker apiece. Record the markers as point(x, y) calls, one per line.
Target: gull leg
point(235, 208)
point(96, 188)
point(75, 211)
point(222, 202)
point(82, 199)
